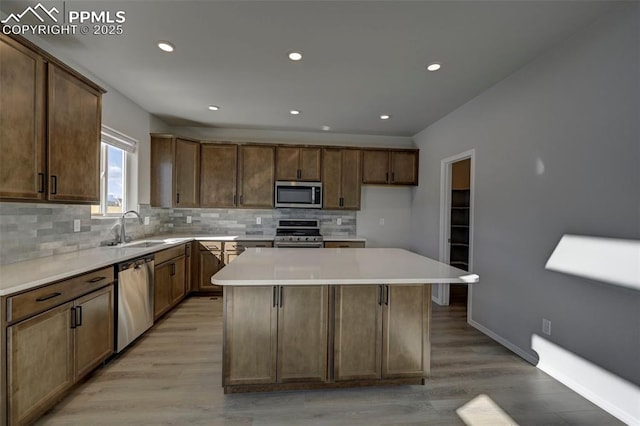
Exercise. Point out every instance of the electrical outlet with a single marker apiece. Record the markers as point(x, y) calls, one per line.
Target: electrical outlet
point(76, 225)
point(546, 326)
point(339, 221)
point(258, 220)
point(146, 220)
point(381, 221)
point(188, 219)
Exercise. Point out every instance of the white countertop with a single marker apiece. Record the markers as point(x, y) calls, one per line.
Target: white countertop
point(20, 276)
point(340, 266)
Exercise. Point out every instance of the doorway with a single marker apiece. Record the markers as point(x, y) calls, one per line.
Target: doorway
point(456, 225)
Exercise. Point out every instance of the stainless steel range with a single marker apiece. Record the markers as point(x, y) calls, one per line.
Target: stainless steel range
point(298, 233)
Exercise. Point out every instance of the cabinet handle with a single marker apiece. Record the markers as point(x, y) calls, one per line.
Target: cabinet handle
point(341, 202)
point(173, 269)
point(386, 302)
point(380, 294)
point(299, 174)
point(177, 198)
point(73, 317)
point(386, 176)
point(235, 199)
point(281, 296)
point(78, 316)
point(41, 176)
point(393, 176)
point(54, 185)
point(241, 200)
point(96, 279)
point(48, 296)
point(275, 296)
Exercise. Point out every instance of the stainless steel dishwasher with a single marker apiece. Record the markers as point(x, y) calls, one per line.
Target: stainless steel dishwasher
point(134, 293)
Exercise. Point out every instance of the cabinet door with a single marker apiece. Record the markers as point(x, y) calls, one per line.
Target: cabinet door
point(404, 168)
point(287, 163)
point(331, 178)
point(39, 363)
point(162, 151)
point(358, 332)
point(375, 166)
point(256, 176)
point(74, 115)
point(209, 263)
point(162, 289)
point(187, 173)
point(22, 121)
point(303, 334)
point(405, 337)
point(250, 335)
point(310, 164)
point(351, 179)
point(178, 284)
point(230, 256)
point(94, 330)
point(218, 171)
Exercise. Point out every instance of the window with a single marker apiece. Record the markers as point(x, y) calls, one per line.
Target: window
point(113, 172)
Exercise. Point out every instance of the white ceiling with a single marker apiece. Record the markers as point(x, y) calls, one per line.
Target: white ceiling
point(361, 58)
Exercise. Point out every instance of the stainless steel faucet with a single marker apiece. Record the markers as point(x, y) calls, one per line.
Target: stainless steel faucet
point(122, 220)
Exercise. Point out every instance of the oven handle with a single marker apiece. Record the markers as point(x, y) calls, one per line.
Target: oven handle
point(298, 245)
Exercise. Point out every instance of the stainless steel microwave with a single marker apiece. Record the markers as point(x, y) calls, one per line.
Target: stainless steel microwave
point(301, 195)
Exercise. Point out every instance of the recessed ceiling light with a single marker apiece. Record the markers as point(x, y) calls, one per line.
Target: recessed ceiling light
point(295, 56)
point(326, 128)
point(166, 46)
point(434, 67)
point(294, 112)
point(385, 117)
point(214, 107)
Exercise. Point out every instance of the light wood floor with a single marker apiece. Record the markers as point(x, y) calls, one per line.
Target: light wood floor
point(172, 377)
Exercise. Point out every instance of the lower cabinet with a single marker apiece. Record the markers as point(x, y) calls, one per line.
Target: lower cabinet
point(210, 261)
point(169, 285)
point(381, 332)
point(276, 334)
point(49, 352)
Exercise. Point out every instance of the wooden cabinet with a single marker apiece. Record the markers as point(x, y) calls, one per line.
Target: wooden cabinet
point(22, 122)
point(74, 120)
point(256, 176)
point(211, 260)
point(275, 335)
point(50, 117)
point(393, 167)
point(55, 336)
point(344, 244)
point(298, 163)
point(341, 178)
point(175, 172)
point(169, 280)
point(233, 249)
point(218, 175)
point(382, 332)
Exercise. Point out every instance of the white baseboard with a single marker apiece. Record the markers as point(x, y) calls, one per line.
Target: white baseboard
point(617, 398)
point(504, 342)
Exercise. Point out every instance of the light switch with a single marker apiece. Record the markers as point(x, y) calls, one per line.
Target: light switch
point(76, 225)
point(339, 221)
point(258, 220)
point(188, 219)
point(146, 220)
point(381, 221)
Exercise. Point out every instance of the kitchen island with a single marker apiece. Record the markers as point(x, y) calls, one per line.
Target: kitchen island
point(318, 318)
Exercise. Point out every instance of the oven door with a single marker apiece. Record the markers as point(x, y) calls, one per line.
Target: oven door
point(298, 244)
point(306, 195)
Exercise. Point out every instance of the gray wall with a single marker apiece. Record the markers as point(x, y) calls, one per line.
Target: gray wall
point(575, 110)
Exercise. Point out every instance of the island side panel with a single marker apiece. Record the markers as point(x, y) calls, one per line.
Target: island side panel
point(250, 335)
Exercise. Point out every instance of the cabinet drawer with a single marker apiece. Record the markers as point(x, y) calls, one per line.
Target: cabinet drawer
point(241, 245)
point(211, 245)
point(43, 298)
point(168, 254)
point(344, 244)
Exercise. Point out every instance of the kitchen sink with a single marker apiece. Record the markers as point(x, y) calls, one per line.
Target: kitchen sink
point(143, 244)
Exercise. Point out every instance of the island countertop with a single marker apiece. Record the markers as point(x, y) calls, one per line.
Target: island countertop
point(339, 266)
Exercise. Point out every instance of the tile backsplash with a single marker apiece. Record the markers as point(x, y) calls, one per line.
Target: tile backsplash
point(33, 230)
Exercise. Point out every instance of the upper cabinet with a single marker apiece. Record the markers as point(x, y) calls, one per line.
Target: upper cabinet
point(50, 117)
point(175, 172)
point(256, 176)
point(341, 178)
point(298, 163)
point(390, 167)
point(218, 175)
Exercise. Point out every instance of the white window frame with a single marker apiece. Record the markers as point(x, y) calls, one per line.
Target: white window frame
point(113, 138)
